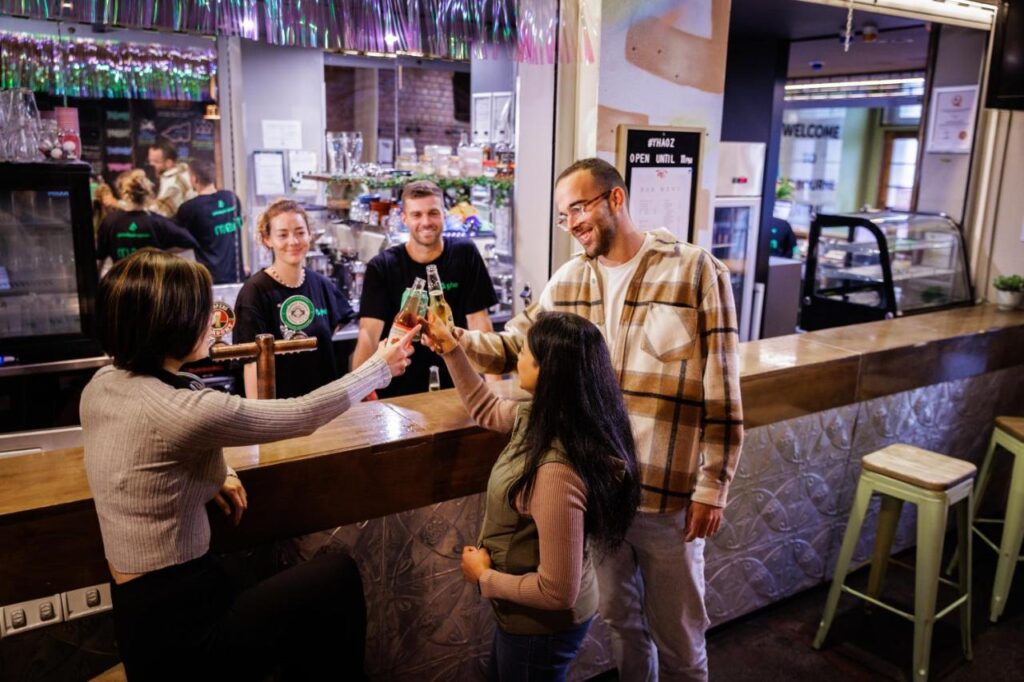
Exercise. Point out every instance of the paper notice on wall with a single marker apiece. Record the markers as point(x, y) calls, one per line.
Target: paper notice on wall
point(951, 120)
point(660, 197)
point(282, 134)
point(268, 173)
point(301, 162)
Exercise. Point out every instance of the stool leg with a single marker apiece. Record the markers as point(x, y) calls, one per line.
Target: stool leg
point(853, 526)
point(965, 519)
point(979, 490)
point(931, 526)
point(888, 520)
point(1013, 533)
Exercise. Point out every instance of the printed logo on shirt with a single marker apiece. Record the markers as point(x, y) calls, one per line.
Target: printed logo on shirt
point(133, 233)
point(448, 286)
point(297, 312)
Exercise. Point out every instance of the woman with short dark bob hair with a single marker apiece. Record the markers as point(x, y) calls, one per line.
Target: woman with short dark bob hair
point(153, 437)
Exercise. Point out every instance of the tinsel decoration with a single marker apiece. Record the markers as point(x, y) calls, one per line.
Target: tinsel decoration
point(207, 17)
point(95, 68)
point(451, 29)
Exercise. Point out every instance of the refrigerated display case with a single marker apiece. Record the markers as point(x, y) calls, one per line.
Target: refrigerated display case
point(737, 213)
point(874, 266)
point(47, 263)
point(734, 242)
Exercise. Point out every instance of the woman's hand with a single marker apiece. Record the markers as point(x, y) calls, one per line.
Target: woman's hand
point(474, 563)
point(436, 336)
point(232, 494)
point(397, 354)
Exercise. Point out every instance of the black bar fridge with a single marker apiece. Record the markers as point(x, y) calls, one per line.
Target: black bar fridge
point(47, 290)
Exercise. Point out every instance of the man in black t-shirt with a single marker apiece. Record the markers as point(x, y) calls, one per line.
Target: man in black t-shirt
point(467, 286)
point(214, 218)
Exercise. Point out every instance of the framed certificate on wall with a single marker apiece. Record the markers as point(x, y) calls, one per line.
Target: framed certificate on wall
point(951, 120)
point(661, 167)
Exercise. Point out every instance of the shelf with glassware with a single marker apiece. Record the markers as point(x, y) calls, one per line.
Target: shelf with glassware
point(865, 267)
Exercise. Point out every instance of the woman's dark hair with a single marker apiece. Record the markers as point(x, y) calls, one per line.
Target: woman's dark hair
point(150, 306)
point(578, 408)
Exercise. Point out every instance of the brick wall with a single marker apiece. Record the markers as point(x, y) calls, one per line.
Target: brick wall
point(339, 90)
point(426, 108)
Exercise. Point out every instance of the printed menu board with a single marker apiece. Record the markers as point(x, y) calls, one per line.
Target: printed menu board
point(661, 167)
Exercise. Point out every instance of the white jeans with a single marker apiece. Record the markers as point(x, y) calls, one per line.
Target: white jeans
point(652, 598)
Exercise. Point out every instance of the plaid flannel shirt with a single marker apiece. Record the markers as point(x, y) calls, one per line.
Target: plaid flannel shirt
point(676, 355)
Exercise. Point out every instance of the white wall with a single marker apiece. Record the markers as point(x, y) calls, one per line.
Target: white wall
point(942, 180)
point(1008, 234)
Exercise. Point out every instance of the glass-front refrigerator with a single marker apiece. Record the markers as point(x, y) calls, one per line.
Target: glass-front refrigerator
point(737, 213)
point(47, 263)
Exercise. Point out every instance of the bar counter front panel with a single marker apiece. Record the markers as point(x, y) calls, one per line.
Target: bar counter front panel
point(399, 483)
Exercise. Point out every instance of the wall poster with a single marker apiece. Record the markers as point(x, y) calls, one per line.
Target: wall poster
point(661, 167)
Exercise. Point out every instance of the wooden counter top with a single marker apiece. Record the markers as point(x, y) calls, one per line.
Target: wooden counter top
point(389, 456)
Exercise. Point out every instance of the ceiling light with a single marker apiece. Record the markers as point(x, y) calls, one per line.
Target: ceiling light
point(831, 85)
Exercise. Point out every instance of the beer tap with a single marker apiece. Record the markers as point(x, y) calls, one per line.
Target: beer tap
point(264, 348)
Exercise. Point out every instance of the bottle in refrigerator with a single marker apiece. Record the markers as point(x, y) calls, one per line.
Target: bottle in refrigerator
point(442, 311)
point(409, 316)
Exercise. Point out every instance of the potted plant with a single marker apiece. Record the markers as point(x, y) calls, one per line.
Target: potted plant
point(784, 190)
point(1008, 291)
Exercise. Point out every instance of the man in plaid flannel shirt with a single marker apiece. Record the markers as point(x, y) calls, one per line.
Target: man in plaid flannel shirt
point(667, 312)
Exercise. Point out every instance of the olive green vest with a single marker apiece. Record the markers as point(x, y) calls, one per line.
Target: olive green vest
point(514, 545)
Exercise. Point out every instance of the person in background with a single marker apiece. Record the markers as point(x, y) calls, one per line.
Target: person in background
point(565, 487)
point(103, 201)
point(287, 299)
point(781, 239)
point(214, 218)
point(175, 187)
point(467, 284)
point(125, 231)
point(666, 310)
point(153, 439)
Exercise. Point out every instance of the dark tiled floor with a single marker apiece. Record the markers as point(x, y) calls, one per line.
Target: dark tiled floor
point(774, 644)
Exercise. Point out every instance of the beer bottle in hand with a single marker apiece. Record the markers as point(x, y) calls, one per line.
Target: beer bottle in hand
point(442, 311)
point(409, 316)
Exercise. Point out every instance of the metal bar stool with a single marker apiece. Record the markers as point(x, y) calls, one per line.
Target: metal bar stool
point(903, 473)
point(1008, 433)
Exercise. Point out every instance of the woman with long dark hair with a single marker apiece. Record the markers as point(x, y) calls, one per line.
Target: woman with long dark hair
point(153, 456)
point(566, 484)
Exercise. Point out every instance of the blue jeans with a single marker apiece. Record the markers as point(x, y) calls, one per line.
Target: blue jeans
point(535, 658)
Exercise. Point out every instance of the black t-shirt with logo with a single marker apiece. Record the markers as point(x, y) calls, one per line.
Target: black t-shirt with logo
point(467, 289)
point(215, 221)
point(122, 233)
point(265, 306)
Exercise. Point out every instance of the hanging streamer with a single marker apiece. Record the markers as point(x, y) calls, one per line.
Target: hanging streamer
point(95, 68)
point(452, 29)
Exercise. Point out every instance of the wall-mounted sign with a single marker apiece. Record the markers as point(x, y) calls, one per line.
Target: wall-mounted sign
point(661, 167)
point(951, 120)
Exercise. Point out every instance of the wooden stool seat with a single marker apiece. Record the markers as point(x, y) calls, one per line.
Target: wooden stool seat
point(1013, 426)
point(935, 484)
point(921, 468)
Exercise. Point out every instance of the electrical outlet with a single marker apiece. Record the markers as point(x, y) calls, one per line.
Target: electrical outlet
point(86, 601)
point(29, 615)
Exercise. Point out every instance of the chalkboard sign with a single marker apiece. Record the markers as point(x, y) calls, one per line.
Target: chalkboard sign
point(661, 167)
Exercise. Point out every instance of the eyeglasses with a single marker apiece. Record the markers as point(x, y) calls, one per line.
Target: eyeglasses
point(577, 210)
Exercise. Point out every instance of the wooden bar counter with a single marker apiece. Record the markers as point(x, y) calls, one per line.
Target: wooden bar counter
point(386, 457)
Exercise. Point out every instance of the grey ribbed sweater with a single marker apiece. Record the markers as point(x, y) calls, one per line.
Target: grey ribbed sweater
point(153, 454)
